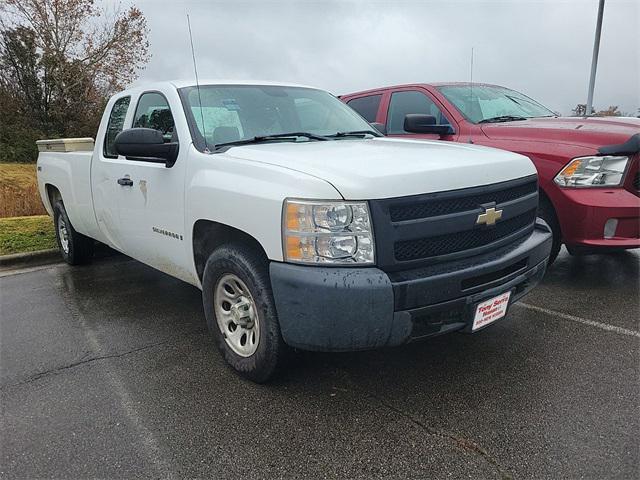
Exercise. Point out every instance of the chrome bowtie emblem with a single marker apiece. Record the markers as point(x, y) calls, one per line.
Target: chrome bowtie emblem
point(489, 217)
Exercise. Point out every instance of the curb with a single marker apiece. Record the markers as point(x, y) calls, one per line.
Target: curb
point(40, 257)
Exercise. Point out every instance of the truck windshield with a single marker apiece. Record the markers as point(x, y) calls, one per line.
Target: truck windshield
point(486, 103)
point(226, 114)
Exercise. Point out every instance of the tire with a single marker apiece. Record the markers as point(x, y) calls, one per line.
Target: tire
point(76, 249)
point(548, 214)
point(245, 271)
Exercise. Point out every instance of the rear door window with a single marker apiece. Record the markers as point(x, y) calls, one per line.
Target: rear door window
point(115, 125)
point(411, 101)
point(366, 106)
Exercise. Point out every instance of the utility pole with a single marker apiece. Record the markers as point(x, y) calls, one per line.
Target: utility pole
point(594, 59)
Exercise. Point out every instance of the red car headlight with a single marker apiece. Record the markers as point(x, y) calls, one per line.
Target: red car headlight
point(596, 171)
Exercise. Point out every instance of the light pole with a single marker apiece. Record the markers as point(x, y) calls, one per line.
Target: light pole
point(594, 59)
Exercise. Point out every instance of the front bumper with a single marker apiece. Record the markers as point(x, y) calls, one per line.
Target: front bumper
point(345, 309)
point(584, 213)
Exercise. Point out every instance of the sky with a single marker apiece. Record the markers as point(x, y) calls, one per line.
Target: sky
point(542, 48)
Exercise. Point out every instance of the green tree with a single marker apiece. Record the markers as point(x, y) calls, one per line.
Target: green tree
point(60, 60)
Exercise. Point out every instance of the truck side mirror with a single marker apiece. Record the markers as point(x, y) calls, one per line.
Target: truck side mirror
point(379, 127)
point(146, 145)
point(419, 123)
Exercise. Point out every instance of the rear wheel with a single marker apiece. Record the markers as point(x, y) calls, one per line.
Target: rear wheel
point(75, 248)
point(241, 313)
point(548, 214)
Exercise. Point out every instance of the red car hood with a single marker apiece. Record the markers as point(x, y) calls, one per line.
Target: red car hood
point(587, 132)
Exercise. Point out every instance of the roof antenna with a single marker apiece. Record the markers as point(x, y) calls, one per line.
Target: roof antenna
point(195, 69)
point(471, 92)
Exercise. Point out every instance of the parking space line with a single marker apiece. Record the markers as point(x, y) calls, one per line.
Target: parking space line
point(573, 318)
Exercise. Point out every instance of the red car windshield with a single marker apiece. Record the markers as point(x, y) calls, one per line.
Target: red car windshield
point(485, 103)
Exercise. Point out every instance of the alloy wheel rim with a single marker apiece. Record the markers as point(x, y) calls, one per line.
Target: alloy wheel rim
point(237, 315)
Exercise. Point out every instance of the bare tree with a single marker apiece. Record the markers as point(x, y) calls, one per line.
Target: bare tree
point(581, 110)
point(612, 111)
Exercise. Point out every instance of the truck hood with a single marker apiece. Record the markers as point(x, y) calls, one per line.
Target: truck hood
point(386, 168)
point(591, 132)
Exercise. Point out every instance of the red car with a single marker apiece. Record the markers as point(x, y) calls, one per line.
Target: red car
point(587, 167)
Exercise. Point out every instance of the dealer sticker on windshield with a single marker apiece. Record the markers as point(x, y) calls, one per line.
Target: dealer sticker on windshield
point(491, 310)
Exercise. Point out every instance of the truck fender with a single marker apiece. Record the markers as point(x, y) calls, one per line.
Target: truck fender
point(207, 235)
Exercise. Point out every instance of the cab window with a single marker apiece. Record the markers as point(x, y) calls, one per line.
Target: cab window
point(153, 112)
point(404, 103)
point(114, 127)
point(366, 106)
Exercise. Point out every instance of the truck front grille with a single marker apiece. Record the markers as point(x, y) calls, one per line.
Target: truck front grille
point(456, 242)
point(434, 207)
point(425, 229)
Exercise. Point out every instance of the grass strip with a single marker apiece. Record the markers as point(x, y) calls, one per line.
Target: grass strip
point(26, 234)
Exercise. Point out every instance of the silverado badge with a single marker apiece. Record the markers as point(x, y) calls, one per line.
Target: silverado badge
point(489, 217)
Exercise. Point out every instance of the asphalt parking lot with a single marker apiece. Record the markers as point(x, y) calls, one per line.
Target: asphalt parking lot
point(107, 371)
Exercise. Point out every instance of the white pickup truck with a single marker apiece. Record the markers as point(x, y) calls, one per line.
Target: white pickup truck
point(302, 225)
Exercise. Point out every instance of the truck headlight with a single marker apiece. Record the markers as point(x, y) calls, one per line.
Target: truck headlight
point(605, 171)
point(335, 232)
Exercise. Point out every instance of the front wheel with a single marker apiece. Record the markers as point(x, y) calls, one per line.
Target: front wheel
point(241, 313)
point(75, 248)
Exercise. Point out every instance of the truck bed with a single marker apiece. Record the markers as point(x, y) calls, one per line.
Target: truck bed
point(66, 163)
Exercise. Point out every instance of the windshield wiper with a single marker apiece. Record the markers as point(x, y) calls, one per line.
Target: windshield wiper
point(502, 118)
point(276, 136)
point(355, 133)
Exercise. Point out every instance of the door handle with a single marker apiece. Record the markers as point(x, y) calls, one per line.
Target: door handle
point(125, 182)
